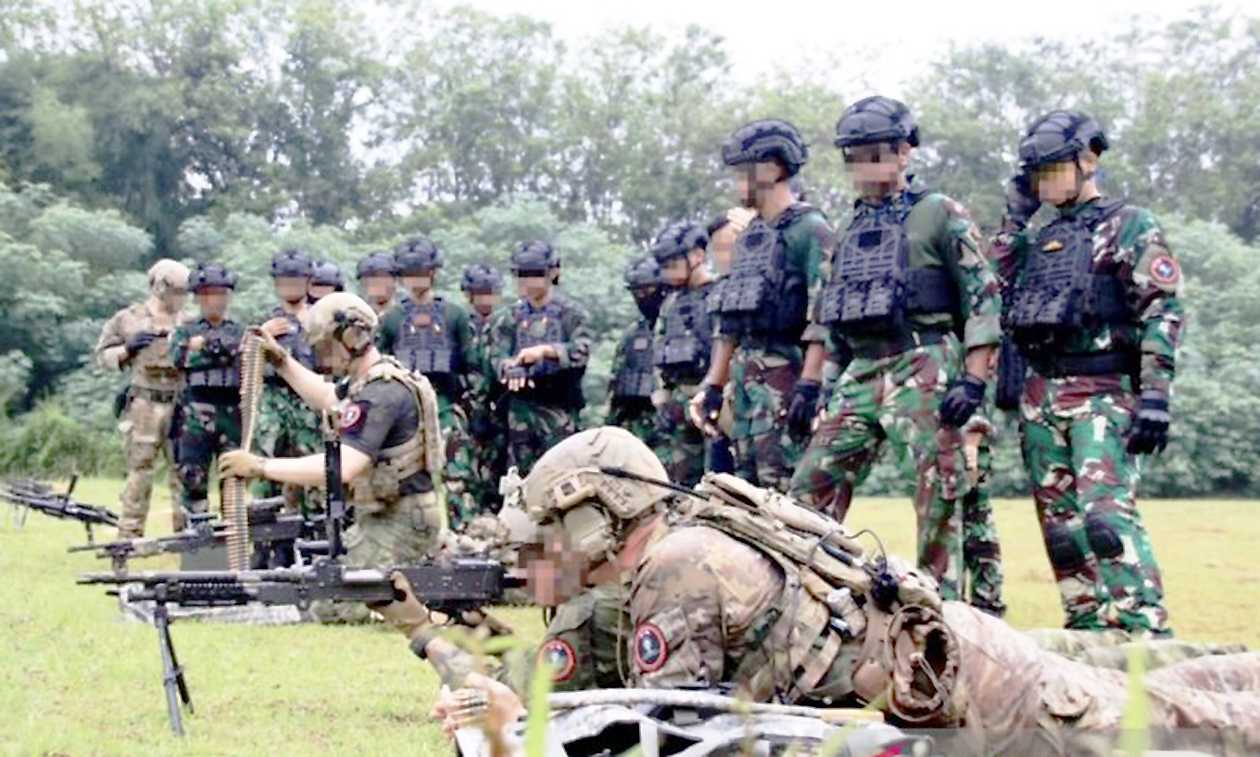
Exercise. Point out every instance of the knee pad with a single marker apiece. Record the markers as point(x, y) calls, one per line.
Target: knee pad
point(1064, 552)
point(1103, 539)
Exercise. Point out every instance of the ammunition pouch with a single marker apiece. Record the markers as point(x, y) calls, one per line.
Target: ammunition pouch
point(224, 377)
point(761, 296)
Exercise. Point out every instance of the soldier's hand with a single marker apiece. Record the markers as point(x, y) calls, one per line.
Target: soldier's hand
point(277, 327)
point(405, 613)
point(196, 343)
point(139, 341)
point(481, 701)
point(804, 406)
point(516, 377)
point(240, 464)
point(1021, 202)
point(740, 218)
point(271, 349)
point(531, 355)
point(1149, 433)
point(963, 398)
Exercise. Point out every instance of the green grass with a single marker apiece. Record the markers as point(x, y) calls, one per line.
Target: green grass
point(76, 680)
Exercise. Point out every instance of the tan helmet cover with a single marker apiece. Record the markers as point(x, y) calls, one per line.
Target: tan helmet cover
point(167, 274)
point(334, 313)
point(569, 475)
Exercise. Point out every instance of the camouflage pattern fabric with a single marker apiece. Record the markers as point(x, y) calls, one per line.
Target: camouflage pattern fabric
point(1074, 431)
point(765, 453)
point(286, 427)
point(680, 445)
point(489, 453)
point(894, 400)
point(1111, 648)
point(639, 418)
point(205, 431)
point(583, 644)
point(146, 427)
point(459, 475)
point(982, 552)
point(533, 429)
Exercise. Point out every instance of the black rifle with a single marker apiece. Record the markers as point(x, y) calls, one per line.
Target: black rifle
point(267, 525)
point(452, 586)
point(33, 495)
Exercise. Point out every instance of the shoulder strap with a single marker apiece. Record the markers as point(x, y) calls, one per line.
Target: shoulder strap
point(388, 367)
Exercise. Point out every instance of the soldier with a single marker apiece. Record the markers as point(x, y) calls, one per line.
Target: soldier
point(137, 339)
point(391, 447)
point(747, 589)
point(1095, 309)
point(633, 380)
point(982, 552)
point(911, 298)
point(684, 343)
point(540, 347)
point(432, 335)
point(286, 426)
point(487, 424)
point(761, 306)
point(719, 457)
point(378, 281)
point(207, 350)
point(326, 278)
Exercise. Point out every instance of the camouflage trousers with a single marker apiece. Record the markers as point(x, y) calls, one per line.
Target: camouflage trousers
point(636, 416)
point(489, 453)
point(205, 431)
point(1085, 486)
point(895, 399)
point(533, 429)
point(1111, 648)
point(405, 532)
point(146, 427)
point(765, 453)
point(680, 445)
point(286, 427)
point(458, 484)
point(982, 553)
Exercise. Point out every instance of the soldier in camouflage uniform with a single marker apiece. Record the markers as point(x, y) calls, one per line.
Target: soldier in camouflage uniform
point(137, 339)
point(487, 424)
point(719, 453)
point(433, 336)
point(982, 552)
point(208, 352)
point(540, 347)
point(1096, 312)
point(684, 343)
point(326, 278)
point(633, 380)
point(761, 306)
point(911, 298)
point(391, 446)
point(286, 426)
point(378, 282)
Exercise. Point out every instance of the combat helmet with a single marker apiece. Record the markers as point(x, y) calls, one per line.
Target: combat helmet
point(534, 256)
point(326, 273)
point(764, 140)
point(480, 278)
point(167, 274)
point(678, 239)
point(1060, 135)
point(291, 263)
point(333, 315)
point(376, 264)
point(417, 255)
point(876, 119)
point(642, 272)
point(210, 275)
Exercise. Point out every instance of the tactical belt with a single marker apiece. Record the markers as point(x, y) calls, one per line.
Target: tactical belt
point(899, 344)
point(1088, 364)
point(931, 290)
point(161, 396)
point(215, 395)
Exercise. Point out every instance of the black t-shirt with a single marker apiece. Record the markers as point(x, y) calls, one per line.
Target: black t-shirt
point(384, 415)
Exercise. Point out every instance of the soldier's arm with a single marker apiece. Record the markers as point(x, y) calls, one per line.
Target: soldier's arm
point(1155, 285)
point(465, 345)
point(179, 347)
point(111, 347)
point(575, 350)
point(502, 347)
point(812, 247)
point(309, 470)
point(978, 286)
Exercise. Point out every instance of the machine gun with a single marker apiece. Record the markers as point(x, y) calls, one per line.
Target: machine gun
point(26, 495)
point(267, 525)
point(452, 586)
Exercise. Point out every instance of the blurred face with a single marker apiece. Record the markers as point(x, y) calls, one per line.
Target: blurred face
point(214, 302)
point(533, 285)
point(418, 283)
point(754, 181)
point(558, 574)
point(332, 357)
point(320, 291)
point(173, 299)
point(876, 168)
point(676, 272)
point(1061, 183)
point(722, 245)
point(483, 302)
point(378, 289)
point(292, 289)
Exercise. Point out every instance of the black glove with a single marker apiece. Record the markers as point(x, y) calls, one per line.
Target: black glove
point(139, 341)
point(800, 414)
point(1149, 432)
point(1021, 203)
point(712, 404)
point(962, 399)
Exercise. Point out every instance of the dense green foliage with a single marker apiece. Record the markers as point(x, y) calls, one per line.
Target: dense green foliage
point(231, 128)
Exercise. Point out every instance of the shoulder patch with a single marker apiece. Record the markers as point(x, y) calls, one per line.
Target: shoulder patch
point(353, 416)
point(651, 650)
point(558, 654)
point(1165, 271)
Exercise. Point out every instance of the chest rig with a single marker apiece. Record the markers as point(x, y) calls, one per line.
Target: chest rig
point(761, 297)
point(872, 287)
point(636, 378)
point(214, 366)
point(682, 352)
point(424, 341)
point(1059, 292)
point(541, 326)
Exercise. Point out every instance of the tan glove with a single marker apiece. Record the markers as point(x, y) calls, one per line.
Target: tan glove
point(241, 464)
point(740, 218)
point(271, 349)
point(406, 614)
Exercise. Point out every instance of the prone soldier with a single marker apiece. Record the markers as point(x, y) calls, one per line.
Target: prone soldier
point(207, 350)
point(137, 339)
point(487, 423)
point(1095, 310)
point(433, 336)
point(633, 380)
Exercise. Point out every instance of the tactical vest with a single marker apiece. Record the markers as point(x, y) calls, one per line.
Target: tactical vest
point(553, 385)
point(761, 297)
point(153, 367)
point(294, 341)
point(380, 486)
point(872, 287)
point(682, 352)
point(215, 365)
point(424, 342)
point(1058, 292)
point(636, 380)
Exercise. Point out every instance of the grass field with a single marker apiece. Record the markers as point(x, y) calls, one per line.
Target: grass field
point(77, 680)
